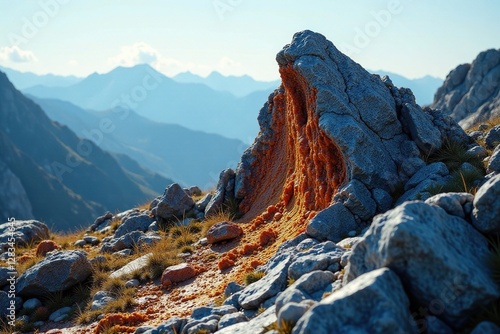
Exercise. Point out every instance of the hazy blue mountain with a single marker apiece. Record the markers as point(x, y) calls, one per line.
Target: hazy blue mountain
point(162, 99)
point(237, 85)
point(423, 88)
point(23, 80)
point(187, 156)
point(68, 181)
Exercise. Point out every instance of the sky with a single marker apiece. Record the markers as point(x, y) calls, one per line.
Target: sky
point(413, 38)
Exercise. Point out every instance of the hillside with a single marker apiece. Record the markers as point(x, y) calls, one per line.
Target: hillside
point(161, 99)
point(67, 180)
point(187, 156)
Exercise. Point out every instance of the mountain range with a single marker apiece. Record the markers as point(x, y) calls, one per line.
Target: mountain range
point(161, 99)
point(239, 86)
point(56, 176)
point(186, 156)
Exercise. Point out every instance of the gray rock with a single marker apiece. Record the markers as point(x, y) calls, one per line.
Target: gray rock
point(358, 199)
point(420, 128)
point(383, 199)
point(421, 241)
point(174, 203)
point(223, 192)
point(470, 92)
point(494, 162)
point(101, 220)
point(231, 319)
point(231, 288)
point(133, 222)
point(486, 327)
point(309, 287)
point(32, 304)
point(80, 243)
point(319, 257)
point(143, 329)
point(129, 240)
point(148, 239)
point(223, 231)
point(154, 227)
point(173, 325)
point(356, 111)
point(202, 203)
point(91, 240)
point(60, 314)
point(486, 213)
point(432, 325)
point(452, 203)
point(492, 138)
point(332, 223)
point(255, 325)
point(193, 191)
point(138, 264)
point(269, 286)
point(373, 303)
point(348, 243)
point(476, 135)
point(290, 313)
point(233, 300)
point(412, 165)
point(477, 151)
point(433, 171)
point(24, 231)
point(204, 311)
point(206, 324)
point(133, 283)
point(56, 272)
point(101, 299)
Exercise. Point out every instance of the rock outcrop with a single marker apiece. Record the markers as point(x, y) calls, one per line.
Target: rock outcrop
point(57, 272)
point(471, 92)
point(23, 231)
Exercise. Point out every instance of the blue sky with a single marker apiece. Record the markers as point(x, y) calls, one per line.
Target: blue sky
point(410, 37)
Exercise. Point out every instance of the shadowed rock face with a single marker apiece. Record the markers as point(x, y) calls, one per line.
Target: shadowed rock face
point(330, 122)
point(471, 92)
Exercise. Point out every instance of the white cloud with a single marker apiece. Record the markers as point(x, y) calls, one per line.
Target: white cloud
point(73, 62)
point(17, 55)
point(228, 66)
point(139, 53)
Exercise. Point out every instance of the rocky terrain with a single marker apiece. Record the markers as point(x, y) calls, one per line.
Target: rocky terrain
point(471, 92)
point(354, 211)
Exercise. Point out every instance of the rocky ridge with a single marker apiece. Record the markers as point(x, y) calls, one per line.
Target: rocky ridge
point(337, 192)
point(471, 93)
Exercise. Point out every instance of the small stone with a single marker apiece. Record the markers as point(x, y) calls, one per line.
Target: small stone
point(177, 273)
point(80, 243)
point(55, 316)
point(223, 231)
point(32, 304)
point(132, 283)
point(91, 240)
point(123, 252)
point(101, 299)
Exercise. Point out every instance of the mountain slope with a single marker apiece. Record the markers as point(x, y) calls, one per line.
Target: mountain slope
point(161, 99)
point(237, 85)
point(23, 80)
point(187, 156)
point(423, 88)
point(471, 92)
point(68, 180)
